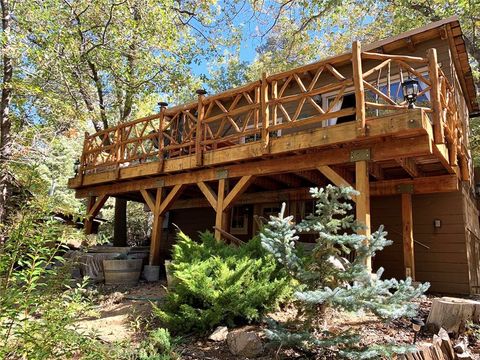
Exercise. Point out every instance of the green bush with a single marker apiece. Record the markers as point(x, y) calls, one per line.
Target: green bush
point(158, 346)
point(221, 284)
point(38, 307)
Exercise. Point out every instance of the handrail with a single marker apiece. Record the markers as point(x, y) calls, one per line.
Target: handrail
point(287, 102)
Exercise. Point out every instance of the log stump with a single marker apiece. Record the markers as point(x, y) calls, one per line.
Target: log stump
point(452, 314)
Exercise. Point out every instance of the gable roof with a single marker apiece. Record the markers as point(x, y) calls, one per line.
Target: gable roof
point(449, 30)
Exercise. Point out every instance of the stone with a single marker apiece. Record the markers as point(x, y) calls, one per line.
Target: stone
point(464, 357)
point(460, 348)
point(220, 334)
point(244, 343)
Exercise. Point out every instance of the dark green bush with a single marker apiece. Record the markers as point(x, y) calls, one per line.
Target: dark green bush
point(221, 284)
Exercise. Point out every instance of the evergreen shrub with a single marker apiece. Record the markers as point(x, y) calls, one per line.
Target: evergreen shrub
point(221, 284)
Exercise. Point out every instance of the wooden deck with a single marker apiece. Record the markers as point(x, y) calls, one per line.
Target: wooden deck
point(298, 122)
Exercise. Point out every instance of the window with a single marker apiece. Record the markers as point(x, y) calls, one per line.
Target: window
point(239, 220)
point(258, 136)
point(270, 209)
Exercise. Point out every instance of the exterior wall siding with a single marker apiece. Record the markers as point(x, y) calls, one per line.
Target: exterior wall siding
point(445, 264)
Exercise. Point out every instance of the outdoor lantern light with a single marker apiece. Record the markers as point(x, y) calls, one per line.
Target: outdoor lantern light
point(76, 167)
point(410, 91)
point(417, 324)
point(162, 104)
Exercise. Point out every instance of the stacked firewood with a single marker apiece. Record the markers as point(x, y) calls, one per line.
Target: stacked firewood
point(441, 348)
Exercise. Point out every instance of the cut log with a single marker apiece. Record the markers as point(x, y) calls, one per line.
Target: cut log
point(446, 346)
point(452, 314)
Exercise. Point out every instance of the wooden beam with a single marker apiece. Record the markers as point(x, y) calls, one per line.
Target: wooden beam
point(209, 193)
point(265, 113)
point(376, 171)
point(404, 147)
point(157, 230)
point(422, 185)
point(237, 190)
point(312, 176)
point(409, 165)
point(358, 84)
point(333, 176)
point(219, 218)
point(266, 183)
point(445, 183)
point(362, 184)
point(148, 199)
point(289, 179)
point(199, 130)
point(97, 205)
point(435, 97)
point(413, 123)
point(88, 222)
point(407, 230)
point(171, 197)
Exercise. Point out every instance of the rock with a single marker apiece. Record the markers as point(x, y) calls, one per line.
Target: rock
point(244, 343)
point(220, 334)
point(464, 357)
point(459, 348)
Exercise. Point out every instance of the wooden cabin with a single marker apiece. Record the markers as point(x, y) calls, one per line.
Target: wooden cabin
point(231, 158)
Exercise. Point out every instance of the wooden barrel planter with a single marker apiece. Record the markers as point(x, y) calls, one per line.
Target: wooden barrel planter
point(125, 271)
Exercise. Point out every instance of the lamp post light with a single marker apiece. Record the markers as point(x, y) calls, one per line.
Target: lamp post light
point(162, 104)
point(410, 91)
point(417, 324)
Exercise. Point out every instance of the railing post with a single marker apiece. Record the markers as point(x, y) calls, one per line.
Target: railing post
point(199, 132)
point(83, 158)
point(163, 108)
point(265, 112)
point(118, 148)
point(358, 84)
point(438, 134)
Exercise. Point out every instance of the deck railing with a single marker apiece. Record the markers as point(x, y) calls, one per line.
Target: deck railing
point(303, 98)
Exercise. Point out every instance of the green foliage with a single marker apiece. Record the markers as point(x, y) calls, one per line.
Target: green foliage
point(329, 280)
point(38, 305)
point(158, 346)
point(221, 284)
point(139, 222)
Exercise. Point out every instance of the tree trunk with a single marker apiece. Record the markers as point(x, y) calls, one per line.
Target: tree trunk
point(452, 314)
point(120, 223)
point(5, 121)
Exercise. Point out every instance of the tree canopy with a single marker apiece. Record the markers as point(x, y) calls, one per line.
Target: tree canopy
point(75, 66)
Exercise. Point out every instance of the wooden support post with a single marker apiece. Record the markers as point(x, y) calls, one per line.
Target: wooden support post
point(157, 230)
point(199, 130)
point(94, 205)
point(88, 222)
point(219, 219)
point(407, 230)
point(358, 84)
point(83, 158)
point(362, 184)
point(161, 207)
point(118, 148)
point(265, 114)
point(438, 131)
point(161, 122)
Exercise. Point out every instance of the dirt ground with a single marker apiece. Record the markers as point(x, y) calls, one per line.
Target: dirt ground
point(124, 312)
